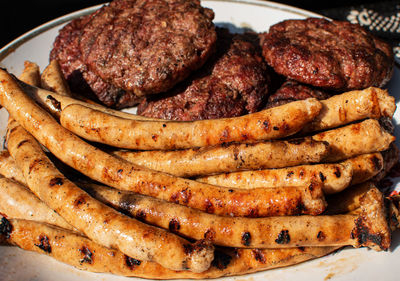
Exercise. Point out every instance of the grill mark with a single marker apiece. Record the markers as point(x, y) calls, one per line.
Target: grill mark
point(246, 239)
point(221, 260)
point(56, 181)
point(22, 143)
point(87, 255)
point(44, 243)
point(5, 228)
point(283, 237)
point(174, 225)
point(258, 255)
point(131, 262)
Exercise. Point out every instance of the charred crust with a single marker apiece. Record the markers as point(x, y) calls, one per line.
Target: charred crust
point(253, 213)
point(140, 215)
point(131, 262)
point(283, 237)
point(266, 125)
point(297, 141)
point(164, 125)
point(246, 239)
point(5, 228)
point(182, 196)
point(362, 233)
point(378, 165)
point(174, 225)
point(289, 174)
point(87, 255)
point(80, 201)
point(221, 260)
point(337, 172)
point(230, 190)
point(301, 249)
point(321, 236)
point(209, 207)
point(209, 234)
point(55, 103)
point(154, 137)
point(44, 244)
point(126, 203)
point(22, 142)
point(322, 176)
point(275, 128)
point(258, 255)
point(56, 181)
point(196, 247)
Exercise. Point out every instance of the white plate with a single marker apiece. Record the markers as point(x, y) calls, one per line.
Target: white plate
point(348, 264)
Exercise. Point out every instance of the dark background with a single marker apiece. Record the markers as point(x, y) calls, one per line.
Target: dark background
point(18, 17)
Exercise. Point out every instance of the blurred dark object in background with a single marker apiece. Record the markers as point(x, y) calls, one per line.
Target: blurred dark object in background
point(19, 16)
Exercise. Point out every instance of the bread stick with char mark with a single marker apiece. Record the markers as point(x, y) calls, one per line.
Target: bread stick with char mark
point(349, 200)
point(19, 202)
point(98, 221)
point(353, 106)
point(230, 157)
point(268, 124)
point(53, 80)
point(270, 232)
point(84, 254)
point(365, 166)
point(355, 139)
point(335, 177)
point(127, 176)
point(54, 103)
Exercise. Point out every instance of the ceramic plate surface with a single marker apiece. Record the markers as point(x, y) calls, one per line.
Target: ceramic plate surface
point(347, 264)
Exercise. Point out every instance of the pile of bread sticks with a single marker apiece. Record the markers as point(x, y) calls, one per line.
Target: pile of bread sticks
point(164, 199)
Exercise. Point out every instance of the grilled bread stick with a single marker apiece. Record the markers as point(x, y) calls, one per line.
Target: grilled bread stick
point(270, 232)
point(229, 158)
point(82, 253)
point(268, 124)
point(124, 175)
point(353, 106)
point(98, 221)
point(355, 139)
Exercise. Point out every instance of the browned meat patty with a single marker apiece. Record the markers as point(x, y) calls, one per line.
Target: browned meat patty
point(148, 46)
point(81, 80)
point(233, 83)
point(331, 54)
point(293, 91)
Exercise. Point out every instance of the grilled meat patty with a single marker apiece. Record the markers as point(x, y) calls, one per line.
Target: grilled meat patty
point(233, 83)
point(334, 55)
point(169, 57)
point(293, 91)
point(147, 46)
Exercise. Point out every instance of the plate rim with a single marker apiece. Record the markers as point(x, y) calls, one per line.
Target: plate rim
point(16, 43)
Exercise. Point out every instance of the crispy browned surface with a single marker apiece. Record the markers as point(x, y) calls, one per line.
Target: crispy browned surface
point(330, 54)
point(85, 254)
point(80, 78)
point(273, 123)
point(292, 90)
point(234, 82)
point(147, 46)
